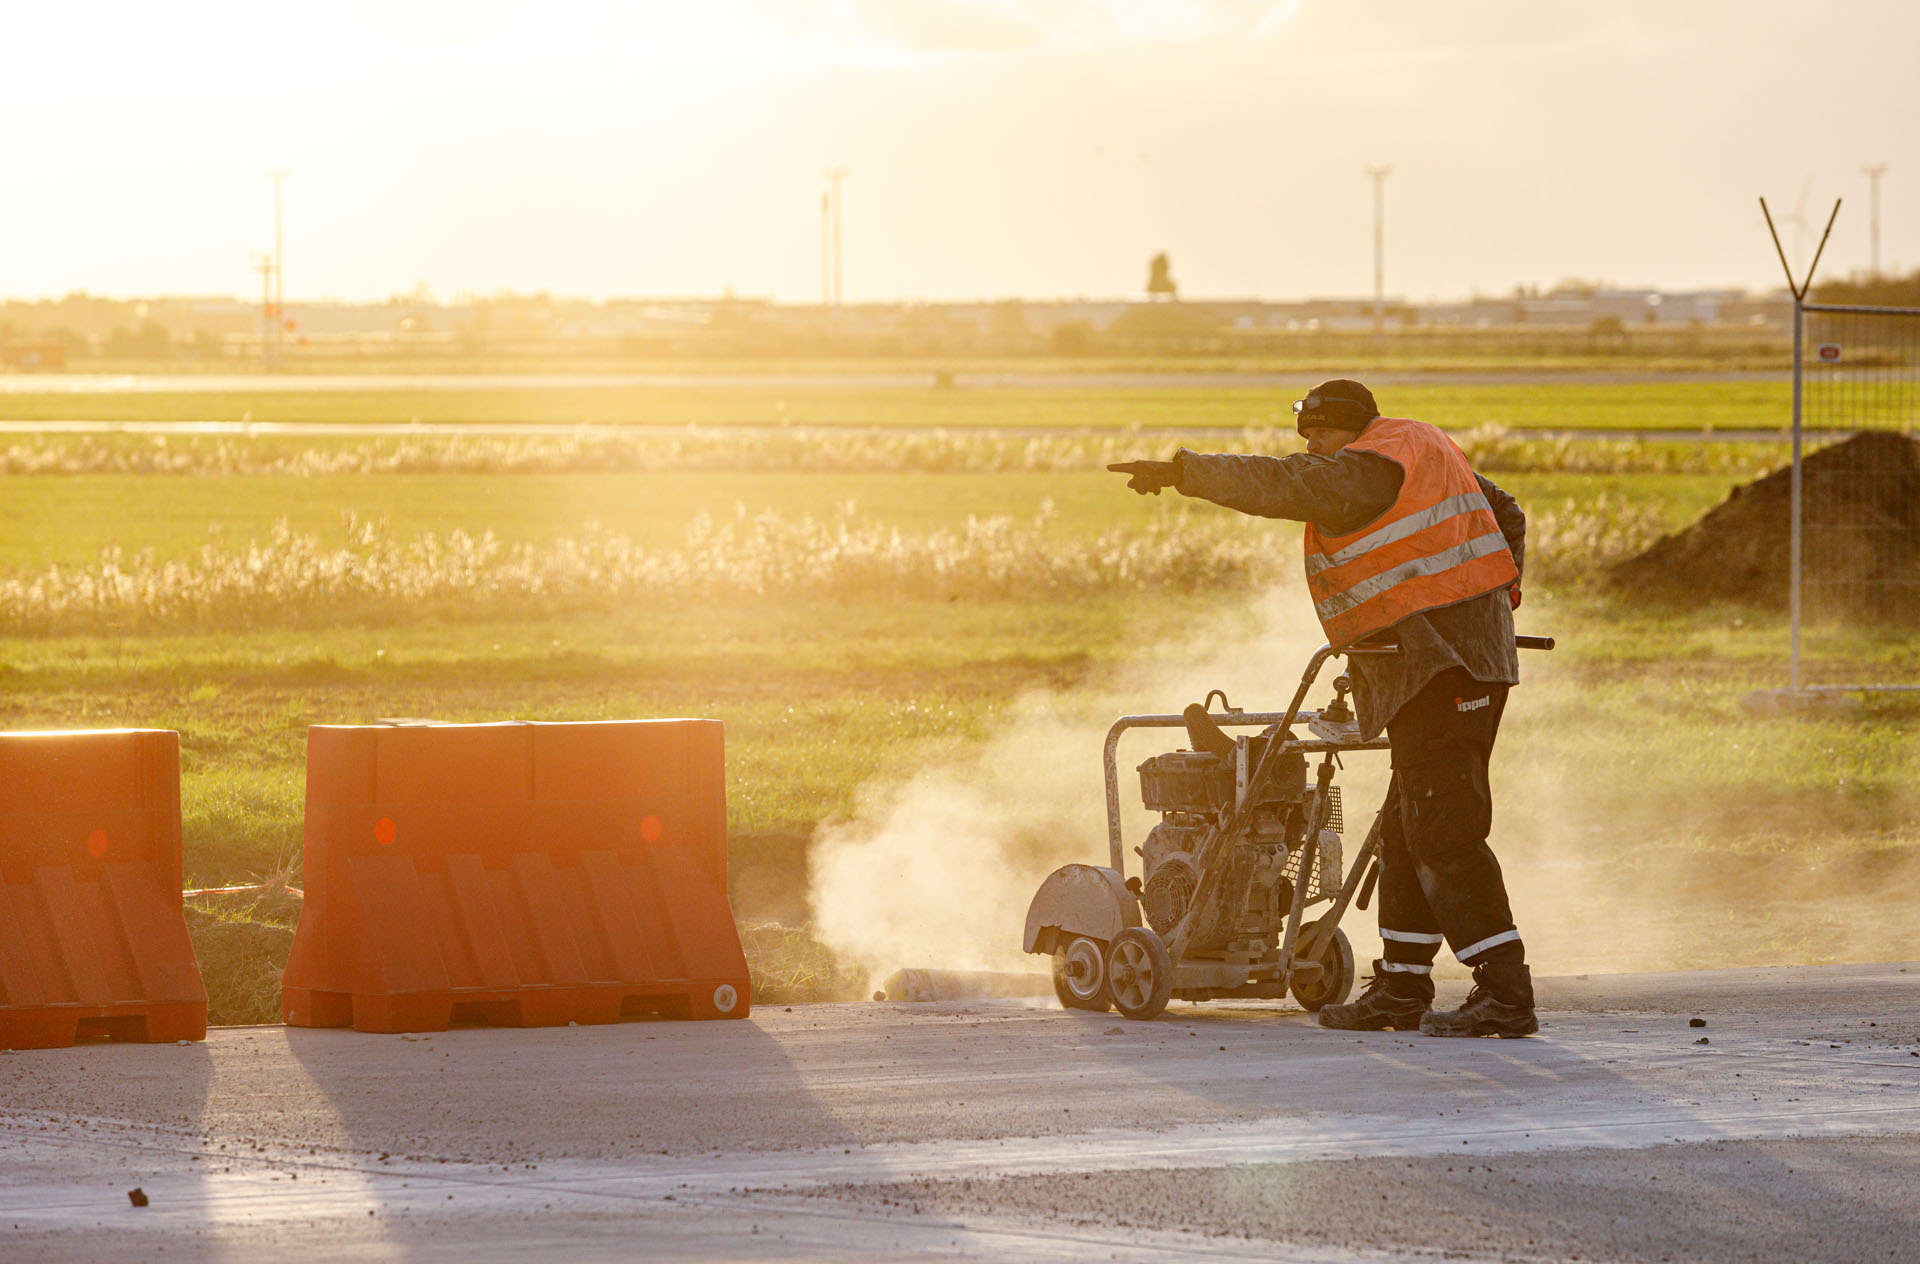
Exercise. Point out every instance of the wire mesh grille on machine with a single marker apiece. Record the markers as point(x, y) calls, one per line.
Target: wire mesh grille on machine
point(1328, 862)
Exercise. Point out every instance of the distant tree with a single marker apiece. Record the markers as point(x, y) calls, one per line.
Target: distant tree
point(1872, 291)
point(205, 344)
point(1608, 333)
point(1008, 319)
point(150, 341)
point(1160, 284)
point(1072, 338)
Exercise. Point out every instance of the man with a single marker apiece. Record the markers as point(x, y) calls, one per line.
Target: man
point(1406, 544)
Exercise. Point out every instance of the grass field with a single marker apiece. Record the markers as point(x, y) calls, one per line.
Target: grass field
point(1632, 780)
point(1427, 349)
point(69, 521)
point(1625, 405)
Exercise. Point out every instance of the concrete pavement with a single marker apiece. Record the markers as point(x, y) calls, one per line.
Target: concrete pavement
point(1007, 1131)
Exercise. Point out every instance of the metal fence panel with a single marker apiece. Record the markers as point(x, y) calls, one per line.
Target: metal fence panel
point(1857, 607)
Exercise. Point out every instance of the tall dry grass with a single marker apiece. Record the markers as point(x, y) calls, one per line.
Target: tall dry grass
point(294, 577)
point(1572, 541)
point(1492, 449)
point(1496, 450)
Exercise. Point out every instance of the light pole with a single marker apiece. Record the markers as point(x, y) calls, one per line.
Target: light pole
point(1379, 177)
point(834, 176)
point(1873, 174)
point(279, 304)
point(263, 264)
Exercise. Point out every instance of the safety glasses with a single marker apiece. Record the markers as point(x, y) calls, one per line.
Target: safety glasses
point(1316, 403)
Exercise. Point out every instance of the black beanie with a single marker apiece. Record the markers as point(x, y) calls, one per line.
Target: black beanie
point(1341, 404)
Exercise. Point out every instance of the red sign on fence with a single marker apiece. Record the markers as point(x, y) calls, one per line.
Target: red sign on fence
point(1830, 352)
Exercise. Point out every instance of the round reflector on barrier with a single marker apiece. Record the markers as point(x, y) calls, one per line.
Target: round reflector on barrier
point(650, 829)
point(385, 831)
point(97, 843)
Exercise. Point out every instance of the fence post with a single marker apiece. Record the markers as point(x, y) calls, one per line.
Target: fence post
point(1799, 290)
point(1793, 582)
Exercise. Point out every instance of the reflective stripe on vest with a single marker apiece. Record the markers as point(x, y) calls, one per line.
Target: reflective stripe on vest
point(1451, 506)
point(1368, 589)
point(1438, 544)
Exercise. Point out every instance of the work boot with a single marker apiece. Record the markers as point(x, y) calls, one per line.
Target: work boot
point(1394, 1000)
point(1500, 1004)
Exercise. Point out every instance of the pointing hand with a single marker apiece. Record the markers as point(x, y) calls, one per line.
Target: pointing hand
point(1148, 477)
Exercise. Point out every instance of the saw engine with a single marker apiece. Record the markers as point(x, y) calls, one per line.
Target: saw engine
point(1195, 791)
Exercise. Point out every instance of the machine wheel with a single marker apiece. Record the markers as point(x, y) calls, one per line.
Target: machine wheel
point(1335, 981)
point(1139, 973)
point(1080, 975)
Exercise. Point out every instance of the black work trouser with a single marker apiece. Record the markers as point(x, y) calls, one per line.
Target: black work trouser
point(1438, 877)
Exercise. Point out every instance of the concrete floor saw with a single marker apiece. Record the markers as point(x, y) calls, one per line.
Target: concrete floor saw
point(1233, 877)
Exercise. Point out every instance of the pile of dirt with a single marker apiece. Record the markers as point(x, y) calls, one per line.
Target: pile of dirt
point(1861, 536)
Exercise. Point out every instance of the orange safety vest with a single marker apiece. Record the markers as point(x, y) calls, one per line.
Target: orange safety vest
point(1439, 544)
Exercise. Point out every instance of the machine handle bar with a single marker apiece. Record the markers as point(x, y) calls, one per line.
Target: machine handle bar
point(1325, 652)
point(1388, 647)
point(1285, 725)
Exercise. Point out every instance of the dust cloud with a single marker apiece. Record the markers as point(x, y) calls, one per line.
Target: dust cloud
point(939, 871)
point(1627, 828)
point(1661, 828)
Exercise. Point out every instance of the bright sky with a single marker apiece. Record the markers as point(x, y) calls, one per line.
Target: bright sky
point(996, 147)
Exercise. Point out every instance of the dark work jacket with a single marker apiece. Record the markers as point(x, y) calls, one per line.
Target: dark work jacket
point(1341, 494)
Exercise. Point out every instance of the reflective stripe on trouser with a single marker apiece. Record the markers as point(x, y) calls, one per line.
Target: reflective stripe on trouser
point(1408, 950)
point(1437, 874)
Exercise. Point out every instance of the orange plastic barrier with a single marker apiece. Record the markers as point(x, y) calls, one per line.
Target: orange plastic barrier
point(93, 940)
point(516, 875)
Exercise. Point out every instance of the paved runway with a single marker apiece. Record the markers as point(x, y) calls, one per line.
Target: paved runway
point(1788, 1127)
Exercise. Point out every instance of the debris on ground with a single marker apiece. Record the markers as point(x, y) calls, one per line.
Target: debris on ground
point(1861, 499)
point(137, 1196)
point(1696, 1022)
point(963, 985)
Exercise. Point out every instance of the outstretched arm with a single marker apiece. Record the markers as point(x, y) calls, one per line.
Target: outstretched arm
point(1340, 493)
